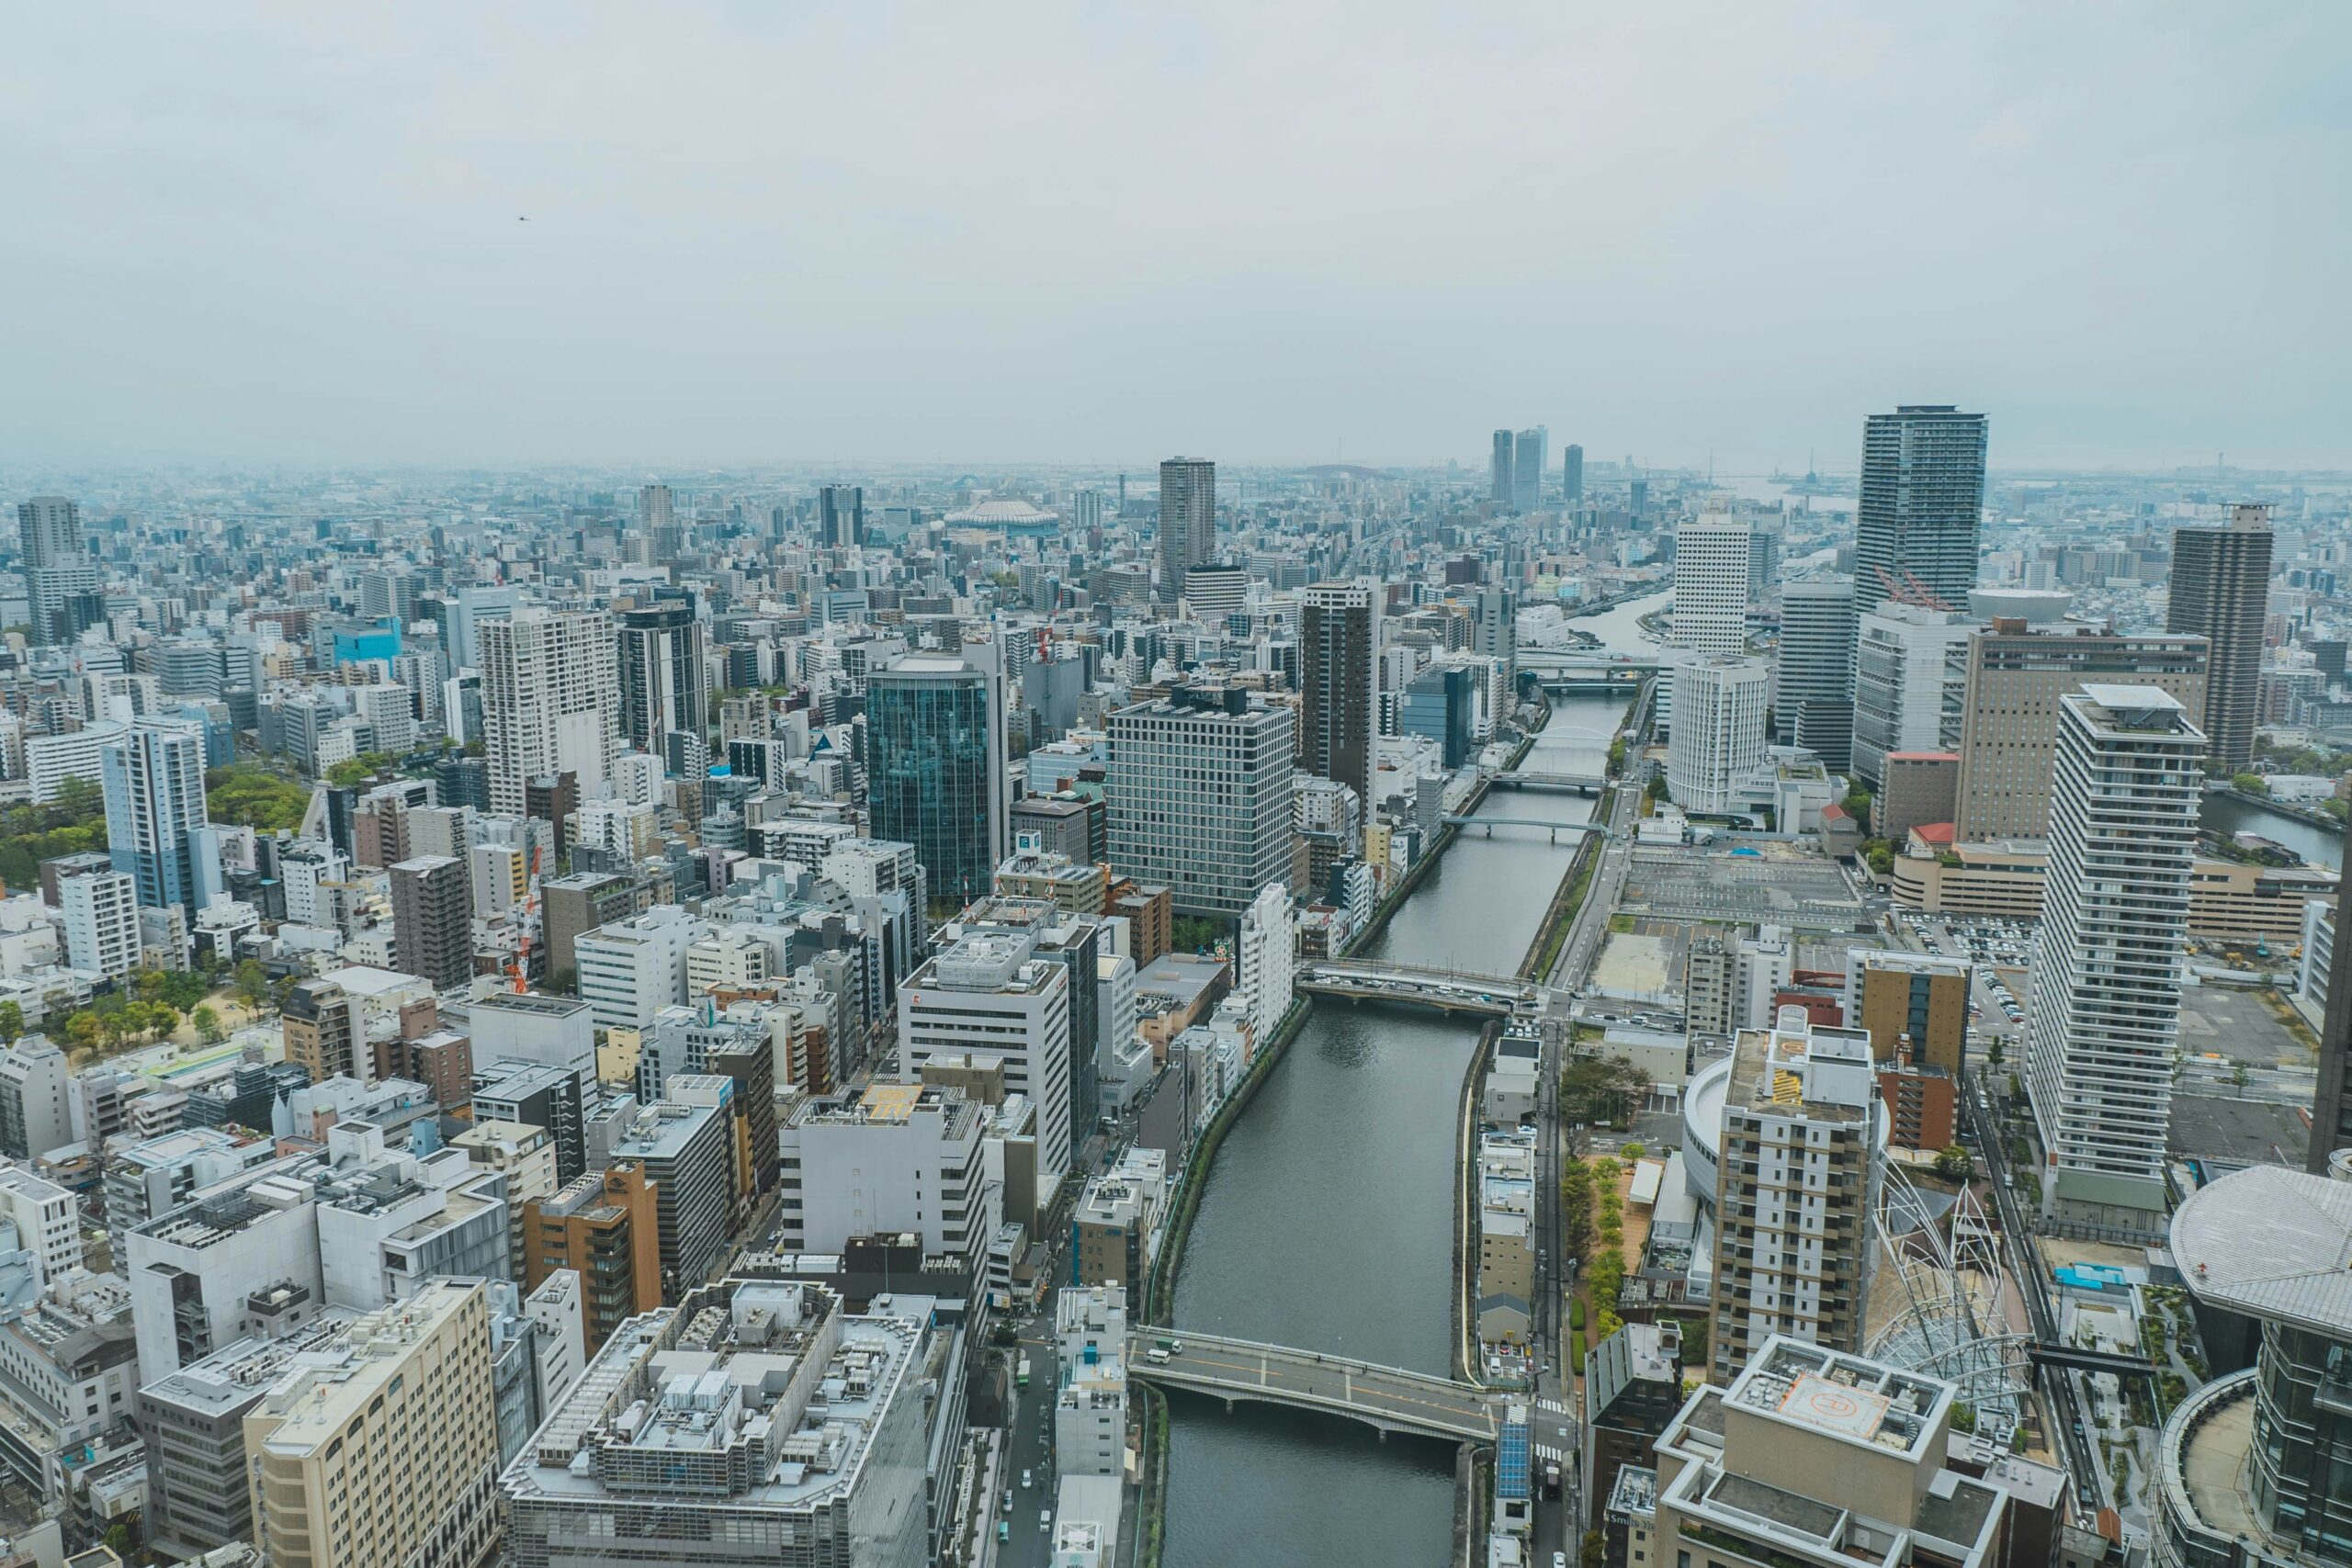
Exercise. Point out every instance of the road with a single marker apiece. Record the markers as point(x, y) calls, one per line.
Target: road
point(1384, 1395)
point(1029, 1446)
point(1583, 946)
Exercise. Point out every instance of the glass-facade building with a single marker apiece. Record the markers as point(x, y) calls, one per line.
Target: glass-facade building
point(936, 770)
point(153, 775)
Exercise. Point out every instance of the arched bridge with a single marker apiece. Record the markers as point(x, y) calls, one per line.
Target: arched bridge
point(1389, 1398)
point(1448, 990)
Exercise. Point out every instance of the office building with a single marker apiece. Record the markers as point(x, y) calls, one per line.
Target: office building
point(1117, 1228)
point(841, 516)
point(1800, 1166)
point(662, 683)
point(992, 993)
point(2103, 1022)
point(1572, 475)
point(101, 912)
point(936, 769)
point(1717, 742)
point(433, 921)
point(1922, 503)
point(61, 579)
point(1632, 1389)
point(1339, 712)
point(1499, 490)
point(2220, 591)
point(524, 1156)
point(582, 902)
point(380, 1447)
point(1200, 789)
point(36, 1098)
point(1915, 789)
point(1440, 706)
point(1910, 677)
point(754, 1412)
point(688, 1152)
point(152, 773)
point(2251, 1466)
point(2008, 726)
point(1494, 632)
point(1187, 519)
point(1813, 699)
point(550, 700)
point(1815, 1459)
point(1895, 996)
point(2332, 1105)
point(602, 1225)
point(1528, 458)
point(629, 971)
point(1711, 554)
point(894, 1159)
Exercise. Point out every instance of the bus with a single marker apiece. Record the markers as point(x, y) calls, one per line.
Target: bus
point(1022, 1376)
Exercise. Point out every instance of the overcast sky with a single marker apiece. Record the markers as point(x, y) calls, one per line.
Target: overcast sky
point(1262, 231)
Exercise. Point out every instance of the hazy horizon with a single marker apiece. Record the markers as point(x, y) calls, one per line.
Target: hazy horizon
point(1278, 235)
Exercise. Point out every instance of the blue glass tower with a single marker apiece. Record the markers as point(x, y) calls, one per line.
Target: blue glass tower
point(934, 737)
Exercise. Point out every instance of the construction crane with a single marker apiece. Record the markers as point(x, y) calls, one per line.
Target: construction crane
point(1910, 591)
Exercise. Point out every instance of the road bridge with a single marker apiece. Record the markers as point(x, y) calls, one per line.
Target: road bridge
point(1559, 783)
point(1555, 829)
point(1388, 1398)
point(1448, 990)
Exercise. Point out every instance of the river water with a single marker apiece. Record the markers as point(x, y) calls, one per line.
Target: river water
point(1326, 1220)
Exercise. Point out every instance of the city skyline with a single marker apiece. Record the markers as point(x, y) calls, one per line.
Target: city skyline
point(235, 240)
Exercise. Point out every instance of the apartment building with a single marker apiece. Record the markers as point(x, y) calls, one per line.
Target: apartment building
point(1923, 998)
point(604, 1225)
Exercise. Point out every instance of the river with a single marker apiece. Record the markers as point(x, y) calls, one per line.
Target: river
point(2228, 814)
point(1326, 1220)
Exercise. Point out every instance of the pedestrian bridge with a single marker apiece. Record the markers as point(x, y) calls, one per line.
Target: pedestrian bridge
point(1448, 990)
point(1388, 1398)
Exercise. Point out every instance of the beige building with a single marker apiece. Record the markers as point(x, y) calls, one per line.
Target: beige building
point(527, 1155)
point(2227, 900)
point(2008, 732)
point(381, 1450)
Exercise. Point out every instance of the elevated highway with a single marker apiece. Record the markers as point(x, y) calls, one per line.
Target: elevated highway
point(1388, 1398)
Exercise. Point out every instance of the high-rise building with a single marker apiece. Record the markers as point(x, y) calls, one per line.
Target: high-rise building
point(662, 657)
point(603, 1225)
point(1711, 584)
point(152, 774)
point(841, 516)
point(657, 526)
point(2254, 1461)
point(379, 1447)
point(1572, 474)
point(1910, 674)
point(1494, 630)
point(687, 1151)
point(432, 919)
point(893, 1159)
point(1187, 519)
point(2332, 1107)
point(1801, 1166)
point(101, 910)
point(1922, 502)
point(1527, 464)
point(2104, 1018)
point(1339, 710)
point(550, 700)
point(761, 1417)
point(2220, 591)
point(1813, 699)
point(320, 1026)
point(1717, 742)
point(992, 992)
point(936, 769)
point(1498, 471)
point(61, 579)
point(2009, 724)
point(1200, 785)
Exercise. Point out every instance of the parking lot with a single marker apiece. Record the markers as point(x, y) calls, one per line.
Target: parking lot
point(1999, 949)
point(1709, 885)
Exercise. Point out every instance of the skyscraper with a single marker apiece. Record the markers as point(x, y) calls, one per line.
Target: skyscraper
point(1494, 630)
point(661, 646)
point(153, 775)
point(657, 525)
point(1499, 475)
point(1527, 465)
point(1717, 740)
point(1338, 715)
point(61, 579)
point(432, 919)
point(2220, 591)
point(1910, 674)
point(1572, 475)
point(1187, 521)
point(550, 701)
point(2105, 1014)
point(840, 515)
point(1812, 694)
point(1711, 584)
point(1922, 502)
point(1200, 788)
point(935, 739)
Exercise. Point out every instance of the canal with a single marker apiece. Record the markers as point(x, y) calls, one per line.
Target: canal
point(2226, 814)
point(1327, 1219)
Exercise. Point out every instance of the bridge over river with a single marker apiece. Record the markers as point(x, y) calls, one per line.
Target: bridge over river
point(1388, 1398)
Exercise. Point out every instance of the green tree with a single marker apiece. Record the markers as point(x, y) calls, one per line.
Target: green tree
point(81, 1029)
point(2249, 783)
point(1995, 1051)
point(1881, 857)
point(207, 1025)
point(12, 1022)
point(1593, 1553)
point(253, 983)
point(1858, 804)
point(563, 982)
point(1656, 787)
point(1954, 1164)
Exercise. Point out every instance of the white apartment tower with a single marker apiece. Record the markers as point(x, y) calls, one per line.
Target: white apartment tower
point(1269, 958)
point(101, 911)
point(1711, 584)
point(550, 701)
point(1717, 741)
point(2105, 1017)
